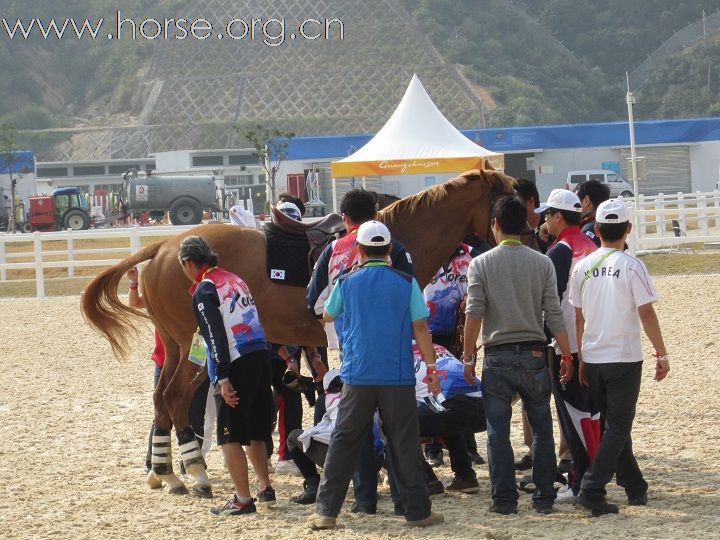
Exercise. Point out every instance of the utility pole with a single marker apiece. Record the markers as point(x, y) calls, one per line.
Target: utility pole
point(630, 100)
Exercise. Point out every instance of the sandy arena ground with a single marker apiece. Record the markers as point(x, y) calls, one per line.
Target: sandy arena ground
point(74, 423)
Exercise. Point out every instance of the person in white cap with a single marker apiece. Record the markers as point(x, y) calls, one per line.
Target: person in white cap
point(383, 309)
point(563, 211)
point(290, 210)
point(613, 296)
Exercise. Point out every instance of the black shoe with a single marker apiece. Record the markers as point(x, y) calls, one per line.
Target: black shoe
point(309, 494)
point(436, 487)
point(361, 508)
point(234, 508)
point(434, 458)
point(464, 485)
point(504, 510)
point(598, 507)
point(640, 500)
point(399, 509)
point(476, 458)
point(524, 464)
point(542, 508)
point(564, 466)
point(266, 496)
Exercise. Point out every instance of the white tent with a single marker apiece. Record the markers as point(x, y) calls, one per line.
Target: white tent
point(417, 139)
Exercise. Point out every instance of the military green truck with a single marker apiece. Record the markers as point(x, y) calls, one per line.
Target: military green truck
point(186, 198)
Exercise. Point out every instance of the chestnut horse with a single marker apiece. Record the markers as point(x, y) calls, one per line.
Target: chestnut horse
point(430, 224)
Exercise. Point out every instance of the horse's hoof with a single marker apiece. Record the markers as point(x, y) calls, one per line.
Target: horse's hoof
point(153, 480)
point(177, 490)
point(203, 491)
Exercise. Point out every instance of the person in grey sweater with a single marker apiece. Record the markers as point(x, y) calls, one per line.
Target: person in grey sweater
point(510, 288)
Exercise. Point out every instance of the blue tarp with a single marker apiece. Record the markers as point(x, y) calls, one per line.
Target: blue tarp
point(24, 161)
point(531, 138)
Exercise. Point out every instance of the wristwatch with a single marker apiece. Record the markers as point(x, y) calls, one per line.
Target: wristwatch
point(469, 362)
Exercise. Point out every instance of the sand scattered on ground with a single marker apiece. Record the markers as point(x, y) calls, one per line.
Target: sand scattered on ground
point(74, 422)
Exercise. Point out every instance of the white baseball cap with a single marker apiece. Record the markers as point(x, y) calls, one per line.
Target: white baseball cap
point(373, 233)
point(290, 209)
point(561, 199)
point(612, 211)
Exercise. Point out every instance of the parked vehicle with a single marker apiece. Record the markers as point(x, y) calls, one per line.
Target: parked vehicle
point(617, 184)
point(184, 197)
point(64, 209)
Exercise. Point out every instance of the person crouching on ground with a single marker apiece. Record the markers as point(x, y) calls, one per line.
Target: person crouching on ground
point(382, 310)
point(239, 367)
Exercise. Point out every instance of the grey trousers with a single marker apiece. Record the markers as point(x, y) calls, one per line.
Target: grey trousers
point(398, 412)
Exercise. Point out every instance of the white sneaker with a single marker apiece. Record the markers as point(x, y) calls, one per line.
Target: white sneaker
point(287, 466)
point(565, 496)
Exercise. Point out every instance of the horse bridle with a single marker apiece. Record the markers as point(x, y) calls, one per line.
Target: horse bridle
point(492, 197)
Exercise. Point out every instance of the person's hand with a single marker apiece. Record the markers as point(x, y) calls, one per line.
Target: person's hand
point(132, 274)
point(662, 367)
point(229, 394)
point(566, 372)
point(543, 233)
point(318, 366)
point(292, 366)
point(469, 374)
point(581, 374)
point(433, 382)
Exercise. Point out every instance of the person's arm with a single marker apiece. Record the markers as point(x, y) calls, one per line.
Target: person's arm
point(579, 331)
point(561, 256)
point(421, 333)
point(333, 305)
point(319, 280)
point(206, 305)
point(470, 337)
point(317, 362)
point(651, 326)
point(556, 323)
point(134, 298)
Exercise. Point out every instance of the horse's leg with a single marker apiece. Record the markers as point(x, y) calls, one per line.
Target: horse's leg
point(162, 468)
point(178, 395)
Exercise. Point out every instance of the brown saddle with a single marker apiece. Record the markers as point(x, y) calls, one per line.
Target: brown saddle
point(317, 233)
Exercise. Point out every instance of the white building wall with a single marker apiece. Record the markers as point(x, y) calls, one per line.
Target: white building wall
point(173, 161)
point(705, 166)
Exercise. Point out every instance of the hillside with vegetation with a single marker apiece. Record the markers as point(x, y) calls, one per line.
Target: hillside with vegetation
point(537, 62)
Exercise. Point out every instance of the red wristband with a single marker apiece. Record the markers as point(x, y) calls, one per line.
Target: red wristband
point(566, 358)
point(133, 285)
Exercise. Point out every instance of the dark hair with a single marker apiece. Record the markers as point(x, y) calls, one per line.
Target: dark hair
point(526, 189)
point(596, 190)
point(511, 215)
point(375, 251)
point(358, 205)
point(297, 201)
point(571, 218)
point(197, 250)
point(612, 232)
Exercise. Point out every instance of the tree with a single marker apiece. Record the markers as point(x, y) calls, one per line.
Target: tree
point(271, 149)
point(8, 133)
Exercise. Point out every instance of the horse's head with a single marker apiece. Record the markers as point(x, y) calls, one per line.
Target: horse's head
point(495, 185)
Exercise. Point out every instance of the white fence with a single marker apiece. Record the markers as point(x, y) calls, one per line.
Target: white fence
point(67, 256)
point(697, 214)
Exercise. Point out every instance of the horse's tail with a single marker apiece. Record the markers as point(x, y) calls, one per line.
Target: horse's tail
point(105, 312)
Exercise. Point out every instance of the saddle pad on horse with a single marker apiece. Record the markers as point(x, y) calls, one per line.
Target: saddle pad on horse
point(293, 247)
point(287, 254)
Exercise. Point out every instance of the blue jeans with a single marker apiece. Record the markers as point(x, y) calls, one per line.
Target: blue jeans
point(516, 369)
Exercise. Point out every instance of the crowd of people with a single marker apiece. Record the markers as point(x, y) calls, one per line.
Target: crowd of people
point(557, 307)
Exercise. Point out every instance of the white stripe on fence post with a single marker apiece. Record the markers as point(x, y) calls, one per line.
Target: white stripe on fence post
point(70, 257)
point(703, 218)
point(642, 220)
point(659, 217)
point(3, 272)
point(134, 240)
point(681, 211)
point(39, 276)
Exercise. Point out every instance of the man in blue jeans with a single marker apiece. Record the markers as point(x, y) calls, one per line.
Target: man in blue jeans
point(509, 289)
